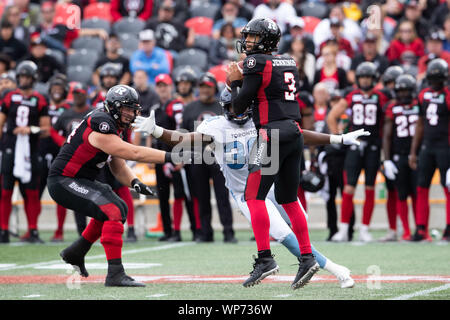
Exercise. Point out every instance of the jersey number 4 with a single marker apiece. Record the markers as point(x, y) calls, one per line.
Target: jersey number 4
point(290, 80)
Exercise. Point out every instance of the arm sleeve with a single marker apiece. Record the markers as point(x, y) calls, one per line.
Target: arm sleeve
point(244, 99)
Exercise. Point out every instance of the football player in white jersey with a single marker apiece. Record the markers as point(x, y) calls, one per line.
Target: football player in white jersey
point(232, 137)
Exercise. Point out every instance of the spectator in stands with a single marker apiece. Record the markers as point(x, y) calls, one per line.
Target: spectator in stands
point(230, 12)
point(342, 60)
point(330, 74)
point(141, 9)
point(150, 58)
point(147, 95)
point(281, 12)
point(296, 29)
point(440, 14)
point(447, 33)
point(413, 13)
point(29, 13)
point(406, 47)
point(351, 30)
point(306, 62)
point(344, 44)
point(223, 50)
point(112, 54)
point(59, 36)
point(7, 83)
point(434, 50)
point(170, 34)
point(369, 53)
point(47, 65)
point(9, 45)
point(243, 11)
point(5, 63)
point(181, 13)
point(13, 15)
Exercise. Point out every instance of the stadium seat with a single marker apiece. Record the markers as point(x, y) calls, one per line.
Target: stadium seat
point(202, 42)
point(100, 10)
point(201, 25)
point(58, 55)
point(2, 7)
point(196, 70)
point(204, 9)
point(313, 9)
point(82, 57)
point(310, 23)
point(129, 41)
point(220, 72)
point(192, 57)
point(129, 25)
point(68, 15)
point(79, 73)
point(90, 43)
point(96, 23)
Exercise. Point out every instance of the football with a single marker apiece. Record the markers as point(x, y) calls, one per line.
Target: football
point(241, 69)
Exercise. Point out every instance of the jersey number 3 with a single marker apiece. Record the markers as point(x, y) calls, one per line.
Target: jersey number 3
point(290, 80)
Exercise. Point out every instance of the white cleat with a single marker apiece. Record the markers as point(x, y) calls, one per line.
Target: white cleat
point(364, 234)
point(343, 275)
point(342, 234)
point(389, 237)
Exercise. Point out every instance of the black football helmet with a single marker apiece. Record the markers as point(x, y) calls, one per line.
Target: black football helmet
point(366, 69)
point(269, 35)
point(109, 69)
point(122, 96)
point(437, 73)
point(58, 79)
point(225, 102)
point(391, 74)
point(26, 68)
point(312, 181)
point(405, 87)
point(187, 74)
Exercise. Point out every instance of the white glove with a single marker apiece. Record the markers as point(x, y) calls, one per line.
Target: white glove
point(390, 170)
point(351, 137)
point(147, 125)
point(447, 179)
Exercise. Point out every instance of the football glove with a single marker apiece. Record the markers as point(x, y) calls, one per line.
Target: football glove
point(141, 187)
point(147, 125)
point(390, 170)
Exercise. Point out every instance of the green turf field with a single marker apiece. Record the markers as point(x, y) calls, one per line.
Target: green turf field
point(188, 271)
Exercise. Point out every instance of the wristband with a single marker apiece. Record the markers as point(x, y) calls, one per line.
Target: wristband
point(158, 132)
point(168, 157)
point(335, 139)
point(134, 181)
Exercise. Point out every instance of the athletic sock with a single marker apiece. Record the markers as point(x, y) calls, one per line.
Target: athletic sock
point(61, 213)
point(125, 194)
point(6, 207)
point(423, 208)
point(299, 225)
point(177, 213)
point(368, 207)
point(332, 267)
point(264, 253)
point(414, 207)
point(260, 223)
point(301, 196)
point(346, 207)
point(391, 207)
point(93, 231)
point(198, 223)
point(32, 207)
point(402, 209)
point(111, 239)
point(447, 197)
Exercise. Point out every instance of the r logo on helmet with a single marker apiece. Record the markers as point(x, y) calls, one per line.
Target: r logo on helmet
point(272, 25)
point(104, 127)
point(251, 62)
point(120, 91)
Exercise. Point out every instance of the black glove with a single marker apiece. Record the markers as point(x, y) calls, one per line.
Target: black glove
point(185, 157)
point(141, 187)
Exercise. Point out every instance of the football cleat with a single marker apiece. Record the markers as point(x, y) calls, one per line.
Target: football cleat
point(364, 234)
point(446, 235)
point(421, 235)
point(389, 237)
point(176, 237)
point(74, 255)
point(340, 236)
point(343, 275)
point(117, 278)
point(57, 237)
point(34, 237)
point(406, 237)
point(4, 236)
point(131, 235)
point(307, 268)
point(262, 268)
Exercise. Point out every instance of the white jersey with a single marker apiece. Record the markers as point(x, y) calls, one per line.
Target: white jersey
point(232, 148)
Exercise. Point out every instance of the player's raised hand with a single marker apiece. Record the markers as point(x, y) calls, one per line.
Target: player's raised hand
point(146, 125)
point(234, 72)
point(141, 187)
point(351, 138)
point(184, 157)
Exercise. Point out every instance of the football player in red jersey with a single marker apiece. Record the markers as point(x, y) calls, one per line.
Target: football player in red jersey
point(433, 137)
point(25, 114)
point(399, 127)
point(109, 75)
point(71, 179)
point(365, 104)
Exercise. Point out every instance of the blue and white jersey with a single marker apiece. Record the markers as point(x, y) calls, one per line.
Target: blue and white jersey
point(232, 148)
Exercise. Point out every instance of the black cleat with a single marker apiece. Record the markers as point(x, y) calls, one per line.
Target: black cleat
point(230, 239)
point(176, 237)
point(117, 278)
point(164, 238)
point(446, 235)
point(131, 235)
point(4, 236)
point(74, 255)
point(262, 268)
point(421, 235)
point(307, 268)
point(34, 237)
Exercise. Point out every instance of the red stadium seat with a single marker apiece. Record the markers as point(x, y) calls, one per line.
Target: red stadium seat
point(220, 72)
point(68, 14)
point(99, 10)
point(201, 25)
point(2, 6)
point(310, 23)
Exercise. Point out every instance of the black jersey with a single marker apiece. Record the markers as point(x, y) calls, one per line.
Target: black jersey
point(22, 111)
point(69, 121)
point(48, 145)
point(77, 157)
point(435, 110)
point(168, 116)
point(278, 80)
point(404, 118)
point(195, 112)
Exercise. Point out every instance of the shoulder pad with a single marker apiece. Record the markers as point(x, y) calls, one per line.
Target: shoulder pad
point(102, 122)
point(255, 63)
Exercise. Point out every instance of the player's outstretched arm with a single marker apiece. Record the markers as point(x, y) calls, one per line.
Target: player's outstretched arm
point(123, 173)
point(313, 138)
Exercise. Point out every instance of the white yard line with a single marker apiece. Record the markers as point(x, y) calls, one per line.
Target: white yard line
point(126, 252)
point(422, 292)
